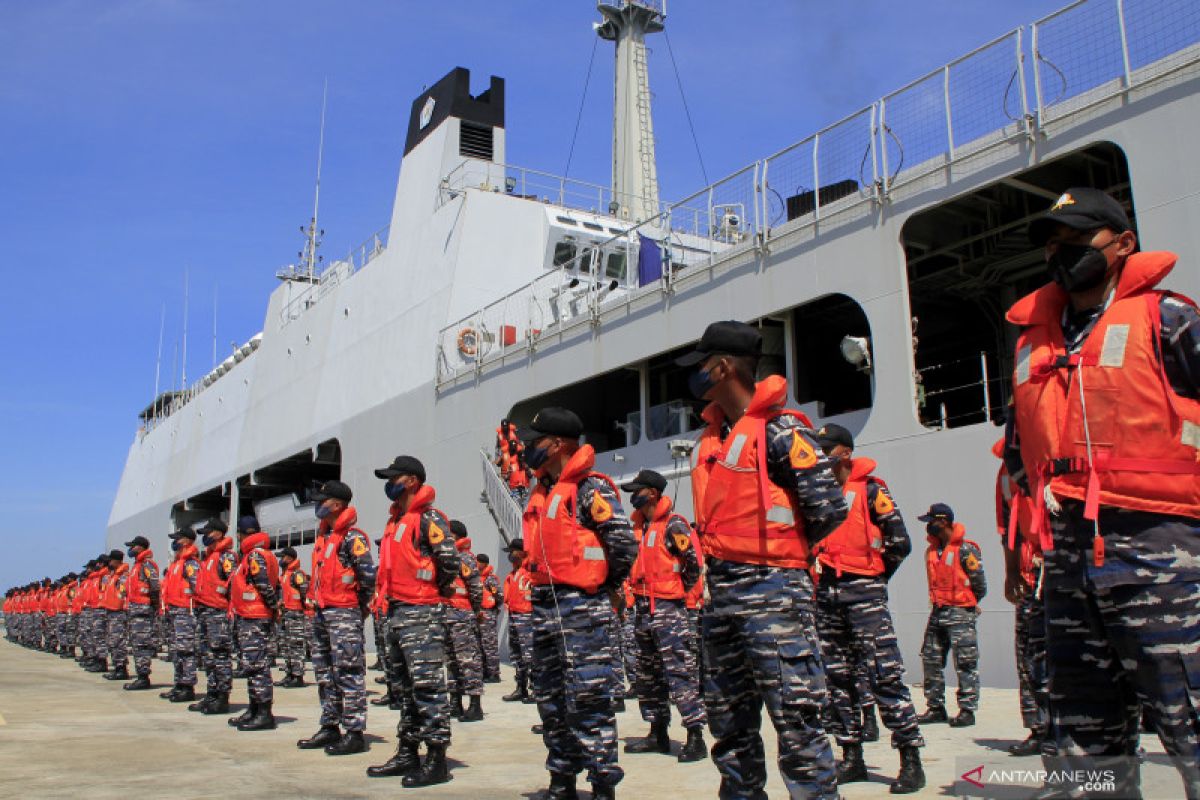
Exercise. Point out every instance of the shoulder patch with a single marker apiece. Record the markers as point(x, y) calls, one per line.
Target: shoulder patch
point(883, 503)
point(146, 572)
point(971, 563)
point(254, 567)
point(190, 569)
point(299, 579)
point(466, 571)
point(802, 455)
point(682, 542)
point(601, 509)
point(436, 534)
point(359, 548)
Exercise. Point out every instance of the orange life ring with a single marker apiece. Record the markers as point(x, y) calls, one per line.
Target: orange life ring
point(468, 342)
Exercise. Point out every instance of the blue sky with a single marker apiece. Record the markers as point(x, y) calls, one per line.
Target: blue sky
point(140, 138)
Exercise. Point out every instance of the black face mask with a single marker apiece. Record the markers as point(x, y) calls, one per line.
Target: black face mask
point(932, 528)
point(1078, 267)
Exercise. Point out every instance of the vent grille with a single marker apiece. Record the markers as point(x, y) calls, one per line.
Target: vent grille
point(475, 141)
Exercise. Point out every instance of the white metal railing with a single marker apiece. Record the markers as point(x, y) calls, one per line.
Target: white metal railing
point(507, 511)
point(1083, 55)
point(303, 295)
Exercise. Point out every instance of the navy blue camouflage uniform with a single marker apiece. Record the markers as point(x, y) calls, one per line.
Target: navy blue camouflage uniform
point(464, 656)
point(143, 618)
point(183, 630)
point(253, 635)
point(214, 632)
point(953, 629)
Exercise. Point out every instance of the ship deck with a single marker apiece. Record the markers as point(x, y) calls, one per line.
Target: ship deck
point(65, 733)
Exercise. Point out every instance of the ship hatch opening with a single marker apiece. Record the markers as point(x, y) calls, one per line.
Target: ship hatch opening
point(968, 260)
point(603, 403)
point(822, 374)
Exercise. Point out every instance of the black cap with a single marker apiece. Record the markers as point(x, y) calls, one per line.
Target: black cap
point(214, 524)
point(139, 540)
point(287, 551)
point(646, 479)
point(335, 489)
point(184, 533)
point(515, 544)
point(938, 511)
point(831, 435)
point(247, 523)
point(728, 338)
point(402, 465)
point(552, 421)
point(115, 555)
point(458, 529)
point(1083, 209)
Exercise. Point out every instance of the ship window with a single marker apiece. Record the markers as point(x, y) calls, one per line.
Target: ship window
point(564, 252)
point(616, 231)
point(566, 221)
point(823, 375)
point(969, 260)
point(604, 403)
point(475, 141)
point(614, 267)
point(591, 226)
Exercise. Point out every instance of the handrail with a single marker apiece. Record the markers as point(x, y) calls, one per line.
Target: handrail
point(504, 508)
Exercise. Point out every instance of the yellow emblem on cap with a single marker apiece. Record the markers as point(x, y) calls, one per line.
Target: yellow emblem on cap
point(802, 454)
point(601, 509)
point(1065, 200)
point(436, 534)
point(883, 503)
point(971, 562)
point(359, 548)
point(682, 542)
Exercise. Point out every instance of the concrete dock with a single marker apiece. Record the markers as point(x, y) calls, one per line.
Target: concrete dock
point(68, 733)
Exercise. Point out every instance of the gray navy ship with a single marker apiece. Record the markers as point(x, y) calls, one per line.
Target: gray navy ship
point(877, 256)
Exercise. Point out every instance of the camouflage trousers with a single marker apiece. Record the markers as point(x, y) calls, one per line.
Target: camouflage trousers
point(71, 631)
point(214, 631)
point(416, 637)
point(666, 671)
point(572, 682)
point(1110, 653)
point(183, 641)
point(98, 633)
point(295, 633)
point(694, 641)
point(951, 628)
point(463, 658)
point(60, 631)
point(340, 664)
point(117, 635)
point(253, 643)
point(760, 642)
point(858, 640)
point(142, 636)
point(50, 631)
point(162, 635)
point(489, 643)
point(1033, 682)
point(624, 645)
point(520, 645)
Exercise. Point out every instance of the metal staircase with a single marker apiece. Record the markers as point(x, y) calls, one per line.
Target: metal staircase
point(504, 509)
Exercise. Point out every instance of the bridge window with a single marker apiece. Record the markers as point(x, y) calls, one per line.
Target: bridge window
point(828, 332)
point(607, 404)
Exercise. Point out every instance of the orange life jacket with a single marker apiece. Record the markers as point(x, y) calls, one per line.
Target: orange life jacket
point(334, 585)
point(211, 589)
point(176, 592)
point(856, 546)
point(948, 581)
point(136, 588)
point(1014, 522)
point(113, 596)
point(517, 477)
point(1145, 439)
point(743, 516)
point(657, 572)
point(292, 599)
point(405, 573)
point(75, 593)
point(518, 592)
point(461, 599)
point(245, 600)
point(489, 597)
point(561, 550)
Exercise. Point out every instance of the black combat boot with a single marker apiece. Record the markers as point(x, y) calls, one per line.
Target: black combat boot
point(538, 729)
point(327, 735)
point(183, 694)
point(249, 713)
point(296, 682)
point(519, 694)
point(870, 724)
point(657, 741)
point(263, 720)
point(99, 665)
point(433, 771)
point(964, 719)
point(405, 761)
point(120, 673)
point(912, 776)
point(376, 665)
point(851, 768)
point(933, 714)
point(492, 679)
point(219, 704)
point(383, 699)
point(456, 706)
point(351, 742)
point(141, 683)
point(562, 787)
point(203, 704)
point(474, 712)
point(603, 792)
point(169, 693)
point(694, 748)
point(1030, 747)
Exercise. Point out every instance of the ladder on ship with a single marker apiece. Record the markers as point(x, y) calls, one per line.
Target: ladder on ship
point(504, 509)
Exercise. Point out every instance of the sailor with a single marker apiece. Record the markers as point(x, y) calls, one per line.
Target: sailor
point(518, 589)
point(75, 605)
point(294, 585)
point(94, 622)
point(418, 567)
point(763, 494)
point(178, 591)
point(489, 642)
point(343, 584)
point(214, 629)
point(142, 589)
point(464, 610)
point(253, 599)
point(116, 620)
point(853, 567)
point(1107, 415)
point(954, 568)
point(666, 569)
point(581, 549)
point(1023, 588)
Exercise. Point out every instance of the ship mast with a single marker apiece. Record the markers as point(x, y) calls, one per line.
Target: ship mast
point(309, 260)
point(635, 171)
